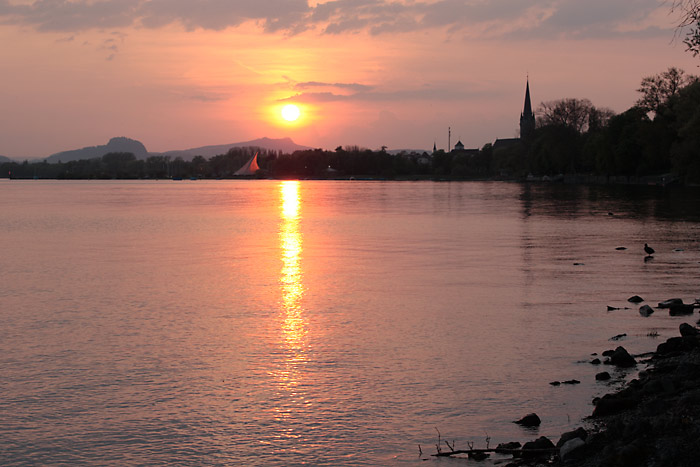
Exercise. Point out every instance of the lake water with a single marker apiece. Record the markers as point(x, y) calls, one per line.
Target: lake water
point(320, 323)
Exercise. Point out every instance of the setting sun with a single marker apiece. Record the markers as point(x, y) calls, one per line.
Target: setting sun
point(290, 112)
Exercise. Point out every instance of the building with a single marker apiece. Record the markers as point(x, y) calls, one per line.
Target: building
point(527, 118)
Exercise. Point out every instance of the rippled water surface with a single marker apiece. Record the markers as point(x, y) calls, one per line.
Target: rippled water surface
point(338, 323)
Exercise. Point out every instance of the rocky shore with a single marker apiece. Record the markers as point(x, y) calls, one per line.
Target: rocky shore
point(654, 421)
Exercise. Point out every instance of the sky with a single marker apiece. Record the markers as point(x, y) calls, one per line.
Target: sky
point(178, 74)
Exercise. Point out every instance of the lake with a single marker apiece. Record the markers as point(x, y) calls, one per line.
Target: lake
point(319, 322)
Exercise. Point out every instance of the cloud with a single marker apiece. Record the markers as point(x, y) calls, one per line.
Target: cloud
point(478, 18)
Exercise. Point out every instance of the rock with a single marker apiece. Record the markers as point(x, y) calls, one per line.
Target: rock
point(635, 299)
point(621, 248)
point(618, 337)
point(608, 405)
point(670, 302)
point(569, 435)
point(622, 358)
point(508, 446)
point(681, 309)
point(530, 419)
point(595, 361)
point(688, 330)
point(608, 353)
point(571, 381)
point(603, 376)
point(646, 310)
point(478, 456)
point(612, 308)
point(539, 444)
point(555, 383)
point(566, 451)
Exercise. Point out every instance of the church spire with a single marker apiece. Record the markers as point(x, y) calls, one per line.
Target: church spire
point(527, 118)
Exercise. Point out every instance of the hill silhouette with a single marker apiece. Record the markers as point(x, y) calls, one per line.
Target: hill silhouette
point(123, 144)
point(118, 144)
point(285, 145)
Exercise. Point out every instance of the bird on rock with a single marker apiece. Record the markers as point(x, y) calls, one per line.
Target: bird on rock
point(649, 250)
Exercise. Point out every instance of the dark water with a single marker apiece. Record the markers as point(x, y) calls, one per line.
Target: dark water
point(322, 323)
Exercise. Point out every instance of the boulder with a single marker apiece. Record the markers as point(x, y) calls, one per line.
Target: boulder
point(670, 302)
point(530, 419)
point(687, 330)
point(540, 447)
point(622, 358)
point(595, 361)
point(646, 310)
point(603, 376)
point(569, 435)
point(567, 450)
point(681, 309)
point(508, 446)
point(609, 404)
point(635, 299)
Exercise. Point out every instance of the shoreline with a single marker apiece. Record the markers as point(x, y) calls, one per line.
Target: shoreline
point(653, 420)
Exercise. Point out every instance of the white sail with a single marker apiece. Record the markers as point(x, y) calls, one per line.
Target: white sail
point(250, 167)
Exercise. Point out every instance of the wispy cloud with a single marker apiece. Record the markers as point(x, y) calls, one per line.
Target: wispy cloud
point(524, 18)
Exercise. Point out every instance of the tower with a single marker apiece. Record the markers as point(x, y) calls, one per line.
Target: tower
point(527, 118)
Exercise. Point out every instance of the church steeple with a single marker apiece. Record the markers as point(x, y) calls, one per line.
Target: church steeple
point(527, 118)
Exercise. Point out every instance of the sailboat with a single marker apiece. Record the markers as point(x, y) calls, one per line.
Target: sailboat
point(250, 167)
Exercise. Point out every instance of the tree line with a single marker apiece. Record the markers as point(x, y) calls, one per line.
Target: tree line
point(660, 134)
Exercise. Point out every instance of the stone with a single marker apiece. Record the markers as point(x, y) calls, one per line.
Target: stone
point(622, 358)
point(539, 444)
point(618, 337)
point(681, 309)
point(566, 451)
point(603, 376)
point(595, 361)
point(646, 310)
point(687, 330)
point(530, 419)
point(571, 381)
point(608, 405)
point(670, 302)
point(508, 446)
point(555, 383)
point(635, 299)
point(608, 353)
point(569, 435)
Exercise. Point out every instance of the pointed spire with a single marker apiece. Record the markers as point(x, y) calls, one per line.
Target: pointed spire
point(527, 110)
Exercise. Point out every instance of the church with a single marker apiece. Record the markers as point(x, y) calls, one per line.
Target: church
point(527, 127)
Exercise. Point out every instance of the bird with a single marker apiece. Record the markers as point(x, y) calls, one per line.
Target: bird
point(649, 250)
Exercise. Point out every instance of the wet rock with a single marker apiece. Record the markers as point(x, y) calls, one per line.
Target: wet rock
point(612, 308)
point(530, 419)
point(603, 376)
point(595, 361)
point(621, 248)
point(646, 310)
point(540, 444)
point(677, 344)
point(618, 337)
point(622, 358)
point(508, 446)
point(571, 381)
point(681, 309)
point(609, 404)
point(688, 330)
point(569, 435)
point(478, 456)
point(566, 452)
point(635, 299)
point(608, 353)
point(670, 302)
point(555, 383)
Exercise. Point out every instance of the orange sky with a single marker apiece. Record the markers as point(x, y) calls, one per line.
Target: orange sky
point(177, 74)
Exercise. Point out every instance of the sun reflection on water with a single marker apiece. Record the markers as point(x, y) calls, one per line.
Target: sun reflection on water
point(294, 326)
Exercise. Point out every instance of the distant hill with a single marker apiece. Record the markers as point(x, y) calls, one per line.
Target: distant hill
point(285, 145)
point(5, 159)
point(119, 144)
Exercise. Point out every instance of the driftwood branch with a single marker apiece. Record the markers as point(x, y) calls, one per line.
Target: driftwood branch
point(500, 451)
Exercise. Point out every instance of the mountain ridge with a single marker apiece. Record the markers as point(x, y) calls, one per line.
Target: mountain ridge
point(124, 144)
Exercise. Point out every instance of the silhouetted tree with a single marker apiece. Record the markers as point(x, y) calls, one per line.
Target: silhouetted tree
point(689, 11)
point(657, 90)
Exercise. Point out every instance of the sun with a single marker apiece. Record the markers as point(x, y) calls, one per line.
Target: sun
point(290, 112)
